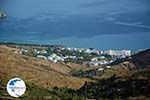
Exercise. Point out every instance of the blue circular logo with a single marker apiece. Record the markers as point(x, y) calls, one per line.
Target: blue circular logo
point(16, 87)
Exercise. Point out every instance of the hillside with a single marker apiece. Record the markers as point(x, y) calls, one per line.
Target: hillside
point(32, 70)
point(125, 67)
point(141, 59)
point(46, 79)
point(127, 79)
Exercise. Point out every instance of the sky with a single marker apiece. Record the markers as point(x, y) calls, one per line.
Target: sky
point(100, 24)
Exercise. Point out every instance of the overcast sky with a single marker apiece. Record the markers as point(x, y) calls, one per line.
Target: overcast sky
point(102, 24)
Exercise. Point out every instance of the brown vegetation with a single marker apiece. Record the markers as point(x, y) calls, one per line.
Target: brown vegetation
point(41, 72)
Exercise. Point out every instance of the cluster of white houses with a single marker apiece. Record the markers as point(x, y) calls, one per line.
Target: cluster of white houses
point(114, 53)
point(118, 53)
point(97, 63)
point(94, 61)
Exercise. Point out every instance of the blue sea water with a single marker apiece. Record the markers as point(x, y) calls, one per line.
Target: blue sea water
point(103, 24)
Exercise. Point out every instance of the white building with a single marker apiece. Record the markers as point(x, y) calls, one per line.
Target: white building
point(55, 58)
point(42, 57)
point(94, 59)
point(91, 51)
point(24, 50)
point(108, 67)
point(93, 63)
point(100, 69)
point(118, 52)
point(43, 51)
point(102, 57)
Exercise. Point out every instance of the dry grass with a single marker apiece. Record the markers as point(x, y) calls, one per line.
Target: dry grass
point(41, 72)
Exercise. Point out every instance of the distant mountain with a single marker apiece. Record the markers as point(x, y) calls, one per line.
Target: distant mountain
point(141, 59)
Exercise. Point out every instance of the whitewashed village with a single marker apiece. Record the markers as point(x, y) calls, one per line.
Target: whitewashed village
point(90, 57)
